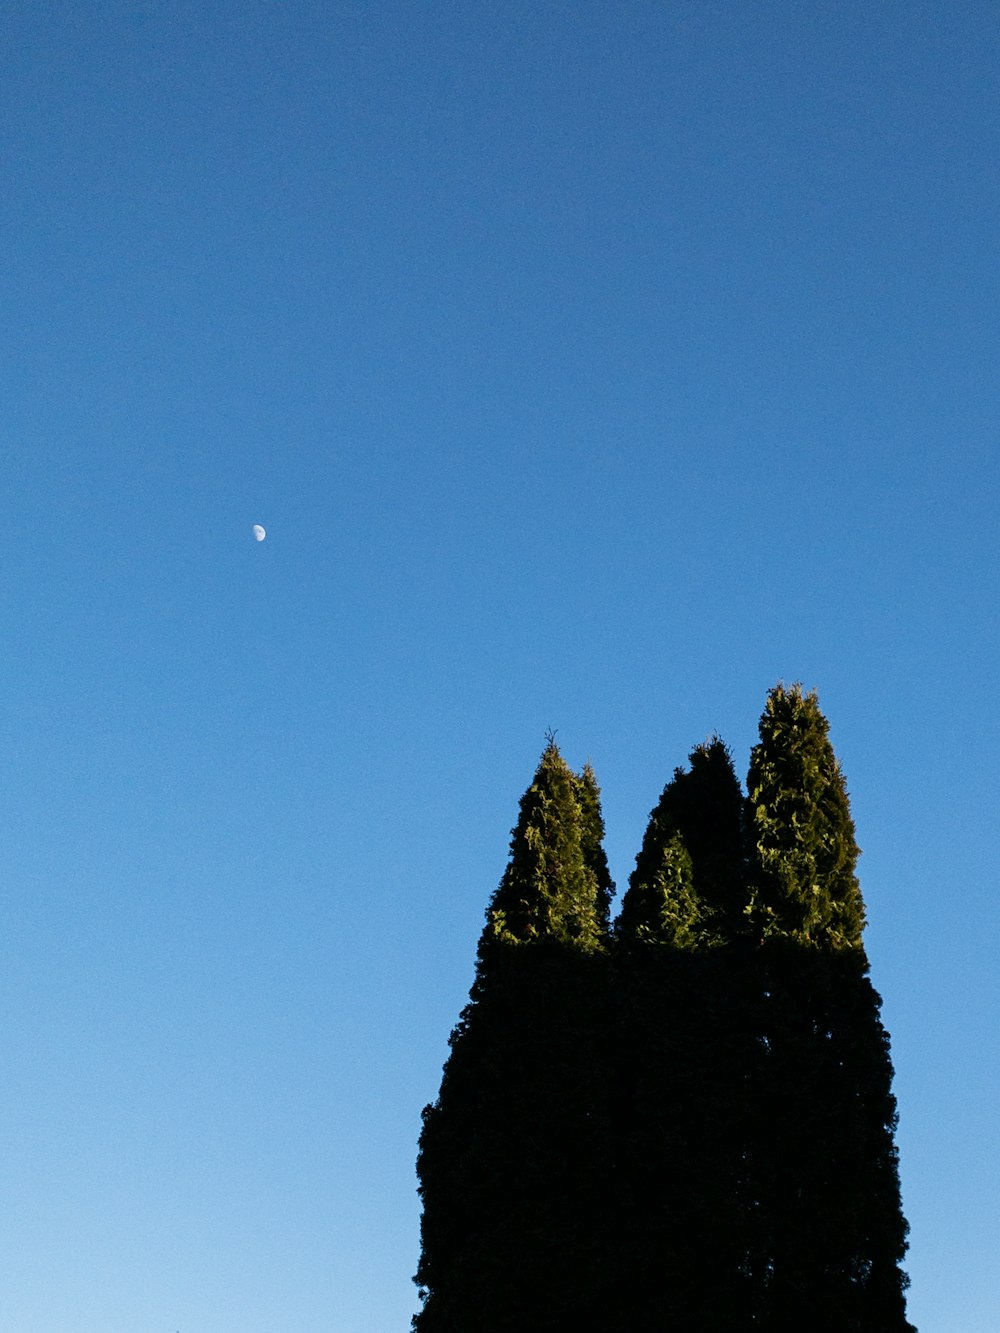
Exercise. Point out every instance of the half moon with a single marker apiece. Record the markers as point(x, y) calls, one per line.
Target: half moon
point(258, 532)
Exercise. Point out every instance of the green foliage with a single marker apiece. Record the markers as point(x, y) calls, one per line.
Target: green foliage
point(661, 906)
point(550, 889)
point(803, 848)
point(588, 795)
point(687, 889)
point(683, 1052)
point(689, 1126)
point(512, 1154)
point(828, 1233)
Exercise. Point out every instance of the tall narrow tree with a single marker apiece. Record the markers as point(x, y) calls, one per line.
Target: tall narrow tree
point(588, 795)
point(684, 1052)
point(829, 1230)
point(688, 888)
point(511, 1166)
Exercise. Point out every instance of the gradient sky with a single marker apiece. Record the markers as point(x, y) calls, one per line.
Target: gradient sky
point(591, 366)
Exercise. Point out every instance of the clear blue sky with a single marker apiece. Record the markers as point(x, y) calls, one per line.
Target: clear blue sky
point(591, 366)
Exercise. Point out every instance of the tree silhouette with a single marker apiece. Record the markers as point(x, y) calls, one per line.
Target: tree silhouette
point(511, 1165)
point(830, 1232)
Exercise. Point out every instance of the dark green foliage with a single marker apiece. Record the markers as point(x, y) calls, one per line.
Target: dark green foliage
point(829, 1234)
point(588, 795)
point(800, 827)
point(512, 1187)
point(688, 886)
point(691, 1131)
point(512, 1155)
point(706, 806)
point(682, 1061)
point(685, 1047)
point(661, 905)
point(549, 891)
point(830, 1226)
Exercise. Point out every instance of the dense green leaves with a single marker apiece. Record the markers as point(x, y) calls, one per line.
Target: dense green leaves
point(684, 1048)
point(687, 889)
point(661, 906)
point(829, 1222)
point(685, 1123)
point(588, 795)
point(801, 831)
point(512, 1163)
point(550, 889)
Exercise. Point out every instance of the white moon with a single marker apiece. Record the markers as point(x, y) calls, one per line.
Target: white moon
point(259, 532)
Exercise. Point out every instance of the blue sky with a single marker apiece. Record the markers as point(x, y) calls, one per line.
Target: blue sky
point(591, 367)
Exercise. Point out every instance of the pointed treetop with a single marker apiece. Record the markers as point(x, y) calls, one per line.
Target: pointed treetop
point(549, 891)
point(707, 805)
point(687, 888)
point(802, 845)
point(661, 906)
point(588, 795)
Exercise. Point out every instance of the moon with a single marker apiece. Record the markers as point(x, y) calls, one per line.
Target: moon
point(258, 532)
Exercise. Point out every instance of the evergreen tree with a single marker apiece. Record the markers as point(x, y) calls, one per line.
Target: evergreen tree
point(512, 1160)
point(685, 1048)
point(688, 886)
point(802, 834)
point(695, 1130)
point(828, 1232)
point(588, 795)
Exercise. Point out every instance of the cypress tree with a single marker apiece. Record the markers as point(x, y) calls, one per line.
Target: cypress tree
point(688, 886)
point(684, 1055)
point(805, 887)
point(588, 795)
point(828, 1232)
point(512, 1154)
